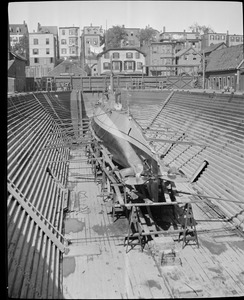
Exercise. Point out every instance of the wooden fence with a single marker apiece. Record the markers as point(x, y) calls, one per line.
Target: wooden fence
point(99, 83)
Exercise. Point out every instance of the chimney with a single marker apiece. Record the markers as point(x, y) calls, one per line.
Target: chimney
point(164, 29)
point(24, 22)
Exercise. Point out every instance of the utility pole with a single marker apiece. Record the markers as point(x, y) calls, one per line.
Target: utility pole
point(203, 70)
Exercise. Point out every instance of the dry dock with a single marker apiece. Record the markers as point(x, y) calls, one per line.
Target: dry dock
point(97, 265)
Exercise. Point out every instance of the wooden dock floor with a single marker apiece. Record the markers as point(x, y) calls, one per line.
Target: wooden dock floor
point(98, 267)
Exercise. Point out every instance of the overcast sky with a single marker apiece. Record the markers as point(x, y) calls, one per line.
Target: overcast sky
point(174, 15)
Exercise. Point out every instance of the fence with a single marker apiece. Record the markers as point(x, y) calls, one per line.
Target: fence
point(99, 83)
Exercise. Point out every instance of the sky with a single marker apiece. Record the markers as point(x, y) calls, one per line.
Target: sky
point(173, 15)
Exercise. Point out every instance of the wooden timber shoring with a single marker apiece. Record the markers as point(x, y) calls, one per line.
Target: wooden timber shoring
point(111, 178)
point(32, 249)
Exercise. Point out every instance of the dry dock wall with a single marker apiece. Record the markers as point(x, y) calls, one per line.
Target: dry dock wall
point(212, 127)
point(36, 173)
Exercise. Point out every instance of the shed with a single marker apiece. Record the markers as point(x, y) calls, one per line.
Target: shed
point(16, 72)
point(225, 68)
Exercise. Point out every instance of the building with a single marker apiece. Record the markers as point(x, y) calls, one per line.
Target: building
point(54, 31)
point(225, 68)
point(207, 51)
point(16, 73)
point(42, 54)
point(69, 42)
point(188, 57)
point(67, 68)
point(182, 40)
point(16, 32)
point(161, 54)
point(126, 61)
point(132, 37)
point(215, 38)
point(91, 44)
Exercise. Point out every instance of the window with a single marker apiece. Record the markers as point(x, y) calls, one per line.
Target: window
point(232, 38)
point(228, 81)
point(131, 34)
point(224, 81)
point(88, 41)
point(116, 65)
point(36, 60)
point(72, 41)
point(232, 81)
point(63, 51)
point(72, 50)
point(35, 51)
point(47, 41)
point(214, 83)
point(106, 55)
point(194, 57)
point(220, 83)
point(238, 39)
point(35, 41)
point(168, 61)
point(106, 66)
point(138, 55)
point(129, 65)
point(116, 55)
point(51, 60)
point(47, 51)
point(95, 41)
point(211, 37)
point(63, 31)
point(129, 55)
point(223, 37)
point(139, 65)
point(63, 42)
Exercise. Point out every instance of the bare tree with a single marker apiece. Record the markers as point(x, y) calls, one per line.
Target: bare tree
point(202, 29)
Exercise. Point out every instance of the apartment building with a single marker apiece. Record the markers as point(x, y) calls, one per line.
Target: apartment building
point(91, 41)
point(160, 55)
point(69, 42)
point(209, 39)
point(54, 31)
point(182, 40)
point(16, 32)
point(126, 61)
point(42, 52)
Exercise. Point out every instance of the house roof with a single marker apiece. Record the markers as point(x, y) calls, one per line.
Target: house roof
point(10, 62)
point(67, 67)
point(23, 29)
point(213, 47)
point(18, 56)
point(48, 29)
point(185, 50)
point(225, 59)
point(121, 49)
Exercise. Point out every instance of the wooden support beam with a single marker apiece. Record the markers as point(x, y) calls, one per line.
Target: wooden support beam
point(174, 142)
